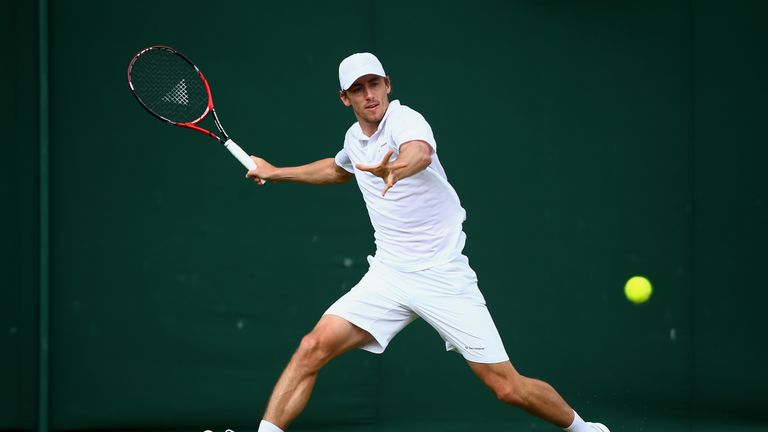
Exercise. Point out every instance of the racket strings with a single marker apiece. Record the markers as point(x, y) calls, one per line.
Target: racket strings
point(169, 86)
point(178, 94)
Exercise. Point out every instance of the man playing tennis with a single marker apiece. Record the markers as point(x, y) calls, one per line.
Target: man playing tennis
point(418, 270)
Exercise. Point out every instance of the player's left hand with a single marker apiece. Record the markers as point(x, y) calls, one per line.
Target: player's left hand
point(385, 169)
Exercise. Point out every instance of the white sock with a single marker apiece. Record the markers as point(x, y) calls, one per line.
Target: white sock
point(578, 424)
point(266, 426)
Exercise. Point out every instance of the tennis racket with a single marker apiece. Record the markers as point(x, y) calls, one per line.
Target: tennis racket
point(168, 85)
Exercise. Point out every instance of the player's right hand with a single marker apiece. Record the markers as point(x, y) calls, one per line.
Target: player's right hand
point(262, 172)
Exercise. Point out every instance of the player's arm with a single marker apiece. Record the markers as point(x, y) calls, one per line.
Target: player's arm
point(415, 156)
point(323, 171)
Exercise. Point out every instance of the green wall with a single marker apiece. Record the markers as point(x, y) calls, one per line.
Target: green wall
point(731, 209)
point(588, 143)
point(19, 216)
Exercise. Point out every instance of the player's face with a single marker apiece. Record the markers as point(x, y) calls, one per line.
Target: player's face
point(369, 98)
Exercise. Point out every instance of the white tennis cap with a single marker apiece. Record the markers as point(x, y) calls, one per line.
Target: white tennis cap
point(357, 65)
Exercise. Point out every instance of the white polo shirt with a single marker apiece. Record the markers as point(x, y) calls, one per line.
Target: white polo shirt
point(418, 223)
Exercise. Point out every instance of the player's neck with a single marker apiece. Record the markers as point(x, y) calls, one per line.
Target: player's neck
point(368, 128)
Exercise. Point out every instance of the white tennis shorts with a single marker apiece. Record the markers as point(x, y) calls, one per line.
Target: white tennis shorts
point(446, 296)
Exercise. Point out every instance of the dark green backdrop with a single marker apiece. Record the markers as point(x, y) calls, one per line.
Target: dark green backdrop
point(589, 142)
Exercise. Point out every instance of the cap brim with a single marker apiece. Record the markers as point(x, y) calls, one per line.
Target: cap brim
point(349, 80)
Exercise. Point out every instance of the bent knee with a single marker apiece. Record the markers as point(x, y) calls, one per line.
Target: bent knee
point(312, 352)
point(516, 394)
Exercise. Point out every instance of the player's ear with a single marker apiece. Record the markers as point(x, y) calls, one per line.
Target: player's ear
point(344, 98)
point(388, 83)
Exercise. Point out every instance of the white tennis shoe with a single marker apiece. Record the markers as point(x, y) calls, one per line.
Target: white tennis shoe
point(598, 427)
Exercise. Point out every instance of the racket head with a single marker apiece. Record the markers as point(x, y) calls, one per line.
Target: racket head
point(168, 85)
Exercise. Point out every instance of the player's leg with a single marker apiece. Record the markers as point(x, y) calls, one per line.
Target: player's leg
point(534, 396)
point(451, 302)
point(331, 337)
point(368, 317)
point(466, 325)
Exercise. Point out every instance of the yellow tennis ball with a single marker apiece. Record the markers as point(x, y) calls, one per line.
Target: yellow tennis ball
point(638, 289)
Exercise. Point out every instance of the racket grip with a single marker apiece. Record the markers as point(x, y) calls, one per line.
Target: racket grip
point(241, 155)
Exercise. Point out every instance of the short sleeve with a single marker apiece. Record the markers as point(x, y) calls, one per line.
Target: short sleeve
point(343, 160)
point(409, 125)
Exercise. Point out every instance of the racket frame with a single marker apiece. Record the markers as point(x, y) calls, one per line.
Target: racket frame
point(223, 138)
point(192, 124)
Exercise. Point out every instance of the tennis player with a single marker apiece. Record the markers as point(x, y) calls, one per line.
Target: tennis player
point(418, 269)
